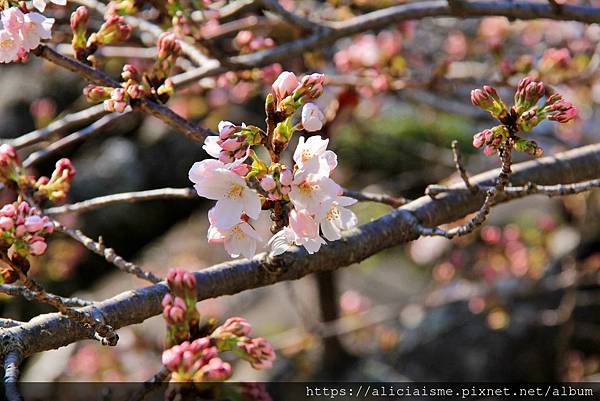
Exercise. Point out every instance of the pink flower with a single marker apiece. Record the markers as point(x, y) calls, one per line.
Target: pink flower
point(37, 248)
point(338, 218)
point(10, 43)
point(244, 237)
point(214, 181)
point(284, 85)
point(312, 117)
point(312, 157)
point(282, 241)
point(34, 223)
point(215, 370)
point(306, 230)
point(13, 19)
point(6, 223)
point(35, 28)
point(312, 193)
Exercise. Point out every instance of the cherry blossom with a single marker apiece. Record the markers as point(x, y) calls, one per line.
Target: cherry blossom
point(214, 181)
point(338, 218)
point(312, 192)
point(243, 238)
point(312, 157)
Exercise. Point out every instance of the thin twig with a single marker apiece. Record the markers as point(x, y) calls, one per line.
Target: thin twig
point(163, 113)
point(126, 197)
point(294, 19)
point(102, 332)
point(483, 212)
point(63, 124)
point(460, 167)
point(73, 138)
point(15, 290)
point(109, 254)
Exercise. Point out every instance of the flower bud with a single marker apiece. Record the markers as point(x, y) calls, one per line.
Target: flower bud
point(311, 86)
point(6, 223)
point(130, 72)
point(226, 129)
point(34, 223)
point(284, 85)
point(286, 177)
point(37, 248)
point(168, 46)
point(312, 117)
point(268, 183)
point(96, 93)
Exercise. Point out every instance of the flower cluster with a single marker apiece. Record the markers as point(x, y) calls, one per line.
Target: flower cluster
point(54, 188)
point(522, 117)
point(136, 85)
point(303, 199)
point(22, 31)
point(192, 359)
point(114, 29)
point(22, 233)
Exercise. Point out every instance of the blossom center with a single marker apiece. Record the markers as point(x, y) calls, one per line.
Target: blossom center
point(306, 155)
point(235, 191)
point(333, 214)
point(6, 43)
point(237, 234)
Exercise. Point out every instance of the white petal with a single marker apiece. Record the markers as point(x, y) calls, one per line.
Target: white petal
point(330, 232)
point(40, 5)
point(200, 170)
point(211, 146)
point(251, 203)
point(60, 2)
point(348, 219)
point(226, 213)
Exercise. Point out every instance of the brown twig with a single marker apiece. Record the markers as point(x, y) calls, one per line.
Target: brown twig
point(23, 291)
point(151, 384)
point(109, 254)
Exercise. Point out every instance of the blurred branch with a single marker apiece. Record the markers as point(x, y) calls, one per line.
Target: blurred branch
point(109, 254)
point(294, 19)
point(127, 197)
point(54, 330)
point(17, 290)
point(65, 123)
point(73, 138)
point(393, 201)
point(385, 17)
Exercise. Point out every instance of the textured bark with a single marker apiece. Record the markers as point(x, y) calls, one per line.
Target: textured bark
point(51, 331)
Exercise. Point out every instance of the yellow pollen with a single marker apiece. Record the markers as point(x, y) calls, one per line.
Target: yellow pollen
point(6, 43)
point(333, 213)
point(306, 155)
point(237, 233)
point(235, 191)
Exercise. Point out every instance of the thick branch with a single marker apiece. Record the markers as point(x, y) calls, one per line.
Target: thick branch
point(51, 331)
point(18, 290)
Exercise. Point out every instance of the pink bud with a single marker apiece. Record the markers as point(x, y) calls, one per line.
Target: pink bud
point(268, 183)
point(286, 177)
point(225, 157)
point(37, 248)
point(312, 117)
point(226, 129)
point(284, 85)
point(34, 223)
point(6, 223)
point(240, 169)
point(171, 358)
point(20, 231)
point(8, 210)
point(488, 151)
point(231, 144)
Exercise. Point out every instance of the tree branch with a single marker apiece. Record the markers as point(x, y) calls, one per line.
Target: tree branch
point(108, 254)
point(17, 290)
point(131, 307)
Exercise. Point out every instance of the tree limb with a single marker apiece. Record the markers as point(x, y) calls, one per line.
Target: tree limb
point(51, 331)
